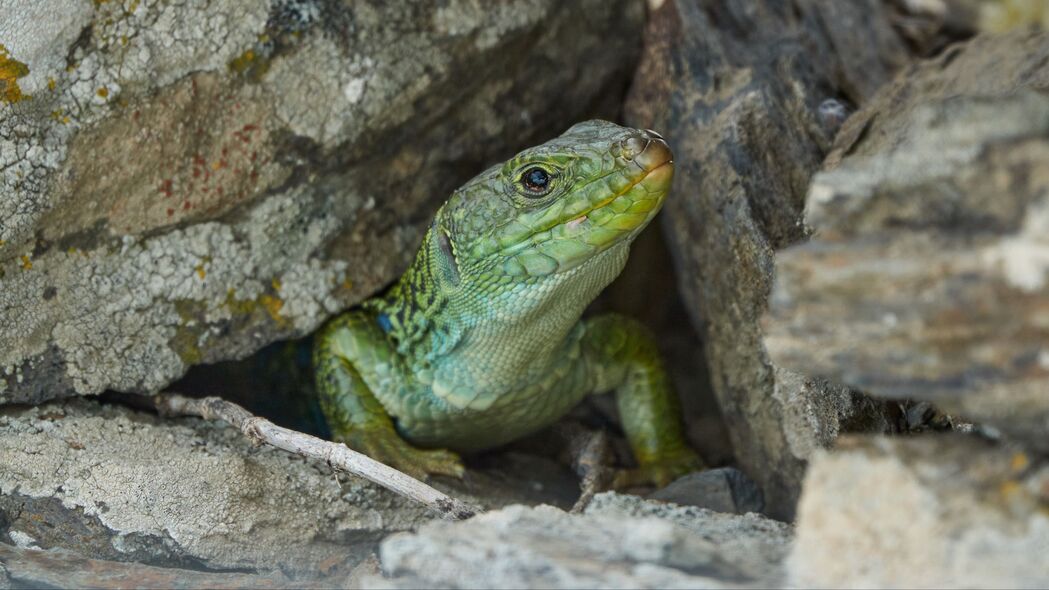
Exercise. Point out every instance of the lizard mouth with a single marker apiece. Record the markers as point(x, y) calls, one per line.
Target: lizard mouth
point(609, 210)
point(656, 176)
point(662, 170)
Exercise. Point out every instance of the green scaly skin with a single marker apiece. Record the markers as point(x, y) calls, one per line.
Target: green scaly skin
point(481, 342)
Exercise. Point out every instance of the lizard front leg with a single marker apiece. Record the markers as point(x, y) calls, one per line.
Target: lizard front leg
point(344, 349)
point(621, 355)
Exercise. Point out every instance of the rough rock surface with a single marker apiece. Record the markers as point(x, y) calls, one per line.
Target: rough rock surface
point(620, 542)
point(183, 182)
point(724, 489)
point(56, 568)
point(110, 483)
point(922, 512)
point(750, 95)
point(929, 274)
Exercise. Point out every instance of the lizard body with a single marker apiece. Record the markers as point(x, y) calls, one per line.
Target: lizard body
point(480, 342)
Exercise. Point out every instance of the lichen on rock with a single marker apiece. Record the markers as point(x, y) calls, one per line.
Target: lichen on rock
point(162, 206)
point(928, 275)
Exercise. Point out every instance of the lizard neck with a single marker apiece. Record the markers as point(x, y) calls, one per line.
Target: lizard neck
point(413, 308)
point(486, 337)
point(495, 338)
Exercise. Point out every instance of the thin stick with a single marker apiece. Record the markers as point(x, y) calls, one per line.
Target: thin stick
point(337, 455)
point(591, 455)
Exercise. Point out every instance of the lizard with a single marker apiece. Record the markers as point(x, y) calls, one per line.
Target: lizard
point(481, 341)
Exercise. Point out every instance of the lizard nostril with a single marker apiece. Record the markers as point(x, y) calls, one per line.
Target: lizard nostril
point(634, 146)
point(656, 153)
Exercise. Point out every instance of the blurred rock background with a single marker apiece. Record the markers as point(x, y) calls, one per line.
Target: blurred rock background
point(850, 284)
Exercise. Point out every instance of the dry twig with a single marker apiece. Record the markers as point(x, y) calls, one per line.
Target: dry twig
point(591, 454)
point(337, 455)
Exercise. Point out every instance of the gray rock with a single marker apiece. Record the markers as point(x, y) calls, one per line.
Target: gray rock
point(186, 182)
point(929, 272)
point(620, 542)
point(736, 87)
point(935, 511)
point(112, 484)
point(725, 489)
point(57, 568)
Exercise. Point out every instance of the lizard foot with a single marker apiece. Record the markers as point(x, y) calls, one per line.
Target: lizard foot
point(659, 472)
point(389, 448)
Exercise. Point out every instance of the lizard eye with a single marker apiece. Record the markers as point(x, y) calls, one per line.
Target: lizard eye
point(535, 181)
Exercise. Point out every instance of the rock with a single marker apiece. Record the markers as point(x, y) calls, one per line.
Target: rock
point(186, 182)
point(935, 511)
point(931, 25)
point(112, 484)
point(736, 87)
point(929, 273)
point(1005, 15)
point(620, 542)
point(725, 489)
point(36, 568)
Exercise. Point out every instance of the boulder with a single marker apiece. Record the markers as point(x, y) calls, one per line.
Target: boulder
point(107, 483)
point(750, 96)
point(936, 511)
point(186, 182)
point(928, 276)
point(57, 568)
point(620, 542)
point(724, 489)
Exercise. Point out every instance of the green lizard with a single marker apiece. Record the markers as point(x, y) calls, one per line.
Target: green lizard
point(480, 342)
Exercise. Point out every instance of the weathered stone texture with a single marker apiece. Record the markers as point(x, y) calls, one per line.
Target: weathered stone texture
point(923, 512)
point(928, 277)
point(112, 484)
point(184, 182)
point(56, 568)
point(724, 489)
point(620, 542)
point(740, 89)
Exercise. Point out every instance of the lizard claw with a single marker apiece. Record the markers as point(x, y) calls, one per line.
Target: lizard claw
point(391, 449)
point(659, 472)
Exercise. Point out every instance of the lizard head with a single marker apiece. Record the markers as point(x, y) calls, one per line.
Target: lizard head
point(551, 208)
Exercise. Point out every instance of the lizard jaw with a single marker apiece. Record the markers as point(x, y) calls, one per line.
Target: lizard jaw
point(576, 222)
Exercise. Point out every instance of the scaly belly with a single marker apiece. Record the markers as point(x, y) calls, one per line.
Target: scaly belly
point(511, 416)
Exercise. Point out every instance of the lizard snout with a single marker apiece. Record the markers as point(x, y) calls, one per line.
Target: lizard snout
point(648, 150)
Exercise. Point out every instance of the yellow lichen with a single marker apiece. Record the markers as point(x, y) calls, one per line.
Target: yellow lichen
point(51, 84)
point(997, 16)
point(241, 63)
point(185, 343)
point(103, 92)
point(10, 71)
point(1009, 488)
point(201, 272)
point(238, 306)
point(273, 306)
point(27, 264)
point(1019, 462)
point(251, 65)
point(276, 284)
